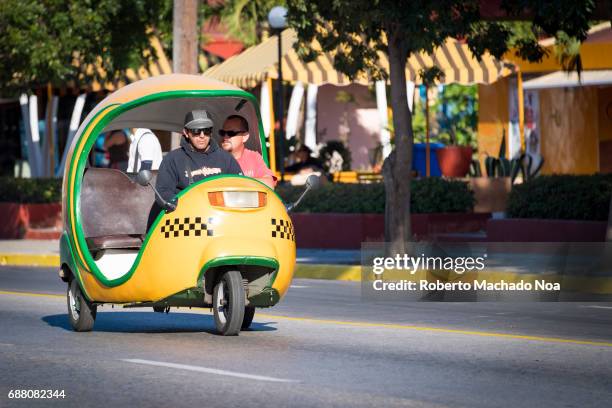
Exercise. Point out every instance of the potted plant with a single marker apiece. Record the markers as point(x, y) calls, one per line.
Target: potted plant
point(457, 121)
point(454, 160)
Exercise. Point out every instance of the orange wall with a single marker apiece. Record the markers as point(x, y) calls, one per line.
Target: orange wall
point(569, 126)
point(492, 118)
point(573, 123)
point(594, 55)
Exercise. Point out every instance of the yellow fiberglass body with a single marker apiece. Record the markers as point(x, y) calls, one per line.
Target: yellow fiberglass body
point(197, 237)
point(229, 244)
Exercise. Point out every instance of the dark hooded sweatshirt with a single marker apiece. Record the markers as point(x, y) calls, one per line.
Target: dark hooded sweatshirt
point(184, 166)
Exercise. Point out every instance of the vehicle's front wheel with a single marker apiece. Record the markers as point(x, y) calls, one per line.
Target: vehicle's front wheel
point(228, 303)
point(249, 313)
point(81, 313)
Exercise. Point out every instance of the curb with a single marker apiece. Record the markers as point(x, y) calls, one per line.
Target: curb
point(29, 260)
point(331, 272)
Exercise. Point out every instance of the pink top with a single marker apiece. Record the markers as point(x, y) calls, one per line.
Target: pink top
point(253, 165)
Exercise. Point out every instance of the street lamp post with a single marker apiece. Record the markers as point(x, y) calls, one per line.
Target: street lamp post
point(277, 17)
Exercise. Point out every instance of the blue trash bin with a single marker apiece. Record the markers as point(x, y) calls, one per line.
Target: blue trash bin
point(418, 159)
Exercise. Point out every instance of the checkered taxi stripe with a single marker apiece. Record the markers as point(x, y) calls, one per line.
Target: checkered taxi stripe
point(187, 227)
point(282, 229)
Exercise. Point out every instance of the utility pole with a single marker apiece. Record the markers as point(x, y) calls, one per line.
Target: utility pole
point(184, 43)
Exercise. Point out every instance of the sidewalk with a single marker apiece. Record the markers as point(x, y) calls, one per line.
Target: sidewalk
point(311, 263)
point(27, 252)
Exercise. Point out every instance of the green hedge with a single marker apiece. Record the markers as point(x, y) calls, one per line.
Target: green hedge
point(30, 191)
point(562, 197)
point(432, 195)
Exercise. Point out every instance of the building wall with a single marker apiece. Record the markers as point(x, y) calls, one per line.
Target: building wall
point(569, 130)
point(361, 116)
point(575, 123)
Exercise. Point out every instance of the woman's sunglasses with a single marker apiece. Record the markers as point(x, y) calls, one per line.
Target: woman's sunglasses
point(230, 133)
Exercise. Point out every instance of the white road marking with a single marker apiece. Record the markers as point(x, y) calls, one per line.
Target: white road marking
point(599, 307)
point(209, 370)
point(299, 286)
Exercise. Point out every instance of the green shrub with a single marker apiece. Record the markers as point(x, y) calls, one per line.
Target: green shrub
point(432, 195)
point(437, 195)
point(562, 197)
point(30, 191)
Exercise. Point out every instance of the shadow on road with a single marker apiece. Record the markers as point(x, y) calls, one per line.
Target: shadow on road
point(143, 322)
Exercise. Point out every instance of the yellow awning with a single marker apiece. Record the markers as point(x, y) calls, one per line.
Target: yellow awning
point(259, 62)
point(160, 66)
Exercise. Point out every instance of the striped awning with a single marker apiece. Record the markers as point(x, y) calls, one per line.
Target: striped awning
point(160, 66)
point(259, 62)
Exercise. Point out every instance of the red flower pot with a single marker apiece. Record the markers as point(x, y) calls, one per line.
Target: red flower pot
point(454, 161)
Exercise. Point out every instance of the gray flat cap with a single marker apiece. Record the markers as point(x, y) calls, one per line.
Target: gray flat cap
point(198, 119)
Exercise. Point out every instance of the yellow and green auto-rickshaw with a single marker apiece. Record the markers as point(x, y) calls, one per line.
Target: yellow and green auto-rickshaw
point(229, 244)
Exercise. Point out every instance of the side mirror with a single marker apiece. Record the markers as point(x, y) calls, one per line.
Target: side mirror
point(313, 181)
point(144, 177)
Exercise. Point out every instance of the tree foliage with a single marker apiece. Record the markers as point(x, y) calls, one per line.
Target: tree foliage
point(53, 41)
point(354, 29)
point(245, 20)
point(457, 114)
point(455, 110)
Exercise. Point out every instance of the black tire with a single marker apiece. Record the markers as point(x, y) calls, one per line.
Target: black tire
point(81, 313)
point(228, 303)
point(159, 309)
point(249, 313)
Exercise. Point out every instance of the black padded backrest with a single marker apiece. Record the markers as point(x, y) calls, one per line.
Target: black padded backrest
point(113, 204)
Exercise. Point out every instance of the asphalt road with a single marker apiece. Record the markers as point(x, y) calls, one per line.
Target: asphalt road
point(322, 346)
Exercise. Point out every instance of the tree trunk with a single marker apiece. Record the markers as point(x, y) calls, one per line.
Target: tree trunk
point(185, 36)
point(397, 167)
point(184, 44)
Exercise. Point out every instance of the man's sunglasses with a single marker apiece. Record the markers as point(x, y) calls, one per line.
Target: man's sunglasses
point(207, 131)
point(230, 133)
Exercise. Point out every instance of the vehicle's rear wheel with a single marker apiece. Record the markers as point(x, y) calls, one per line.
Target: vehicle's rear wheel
point(228, 303)
point(249, 313)
point(81, 313)
point(160, 309)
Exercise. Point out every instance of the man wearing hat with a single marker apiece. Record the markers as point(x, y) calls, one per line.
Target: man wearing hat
point(198, 157)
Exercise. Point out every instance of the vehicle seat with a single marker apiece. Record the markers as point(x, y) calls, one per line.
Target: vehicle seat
point(115, 210)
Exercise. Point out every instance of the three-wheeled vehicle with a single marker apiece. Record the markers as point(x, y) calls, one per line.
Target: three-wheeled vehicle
point(228, 243)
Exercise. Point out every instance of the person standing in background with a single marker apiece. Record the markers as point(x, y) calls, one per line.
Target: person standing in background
point(117, 145)
point(145, 151)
